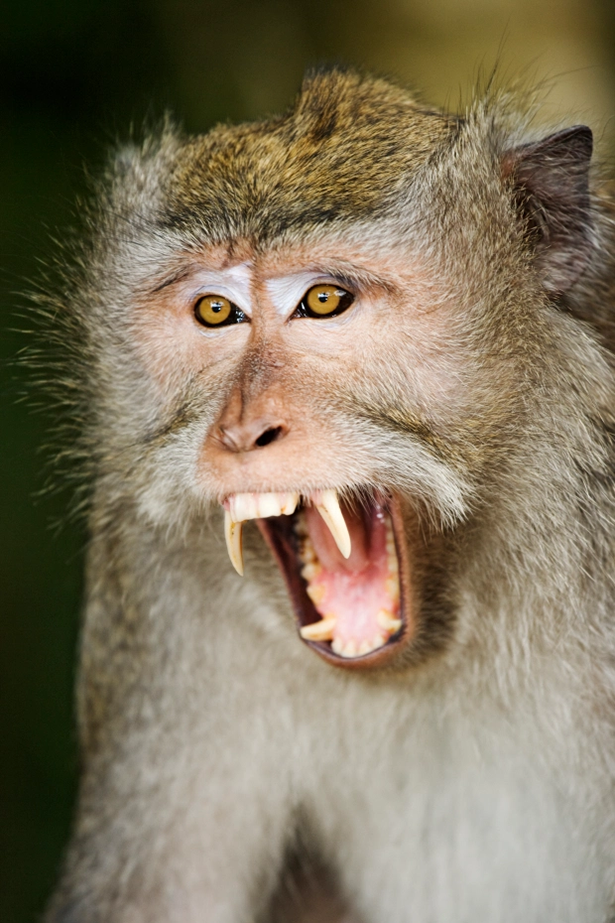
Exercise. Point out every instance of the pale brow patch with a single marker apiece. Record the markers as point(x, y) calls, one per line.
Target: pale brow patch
point(208, 256)
point(286, 292)
point(362, 264)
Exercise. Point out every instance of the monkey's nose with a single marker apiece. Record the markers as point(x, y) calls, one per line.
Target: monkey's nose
point(245, 437)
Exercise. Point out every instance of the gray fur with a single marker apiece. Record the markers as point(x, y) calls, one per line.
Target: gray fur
point(470, 782)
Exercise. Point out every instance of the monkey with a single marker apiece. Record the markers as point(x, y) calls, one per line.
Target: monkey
point(345, 387)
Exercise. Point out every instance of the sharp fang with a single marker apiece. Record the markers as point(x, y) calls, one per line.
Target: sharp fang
point(318, 631)
point(328, 506)
point(232, 534)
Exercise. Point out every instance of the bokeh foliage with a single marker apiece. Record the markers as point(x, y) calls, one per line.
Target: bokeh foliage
point(75, 75)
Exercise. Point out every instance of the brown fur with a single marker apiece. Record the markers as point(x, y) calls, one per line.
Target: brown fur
point(471, 779)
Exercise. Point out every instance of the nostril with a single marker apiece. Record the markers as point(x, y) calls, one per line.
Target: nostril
point(270, 435)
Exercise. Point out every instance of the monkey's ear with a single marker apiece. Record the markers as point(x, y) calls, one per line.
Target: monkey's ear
point(552, 182)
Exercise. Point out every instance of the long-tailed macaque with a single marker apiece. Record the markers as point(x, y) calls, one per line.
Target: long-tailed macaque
point(361, 350)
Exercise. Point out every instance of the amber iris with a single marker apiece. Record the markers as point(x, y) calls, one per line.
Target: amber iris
point(217, 311)
point(324, 301)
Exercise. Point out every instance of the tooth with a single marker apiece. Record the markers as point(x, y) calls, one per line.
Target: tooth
point(309, 571)
point(378, 641)
point(318, 631)
point(316, 594)
point(337, 646)
point(307, 555)
point(351, 649)
point(289, 503)
point(391, 586)
point(232, 533)
point(267, 505)
point(328, 506)
point(241, 507)
point(261, 506)
point(365, 648)
point(387, 622)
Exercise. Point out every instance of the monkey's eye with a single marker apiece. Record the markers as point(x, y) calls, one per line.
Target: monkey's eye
point(216, 311)
point(324, 301)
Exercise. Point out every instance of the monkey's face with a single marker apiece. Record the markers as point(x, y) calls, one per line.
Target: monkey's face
point(330, 374)
point(341, 329)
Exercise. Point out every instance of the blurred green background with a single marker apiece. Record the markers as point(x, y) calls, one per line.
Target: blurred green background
point(74, 76)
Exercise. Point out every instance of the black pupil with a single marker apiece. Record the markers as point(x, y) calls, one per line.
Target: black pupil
point(216, 306)
point(323, 296)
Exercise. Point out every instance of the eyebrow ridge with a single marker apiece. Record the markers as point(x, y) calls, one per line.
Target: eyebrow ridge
point(349, 272)
point(343, 270)
point(177, 276)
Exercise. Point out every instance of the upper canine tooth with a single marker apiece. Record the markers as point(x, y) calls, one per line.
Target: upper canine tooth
point(232, 534)
point(328, 506)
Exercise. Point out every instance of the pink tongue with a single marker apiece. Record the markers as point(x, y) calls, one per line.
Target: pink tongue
point(354, 589)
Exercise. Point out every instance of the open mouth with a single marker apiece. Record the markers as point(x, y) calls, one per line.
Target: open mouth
point(344, 566)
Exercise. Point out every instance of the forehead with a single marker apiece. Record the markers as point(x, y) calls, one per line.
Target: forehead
point(346, 146)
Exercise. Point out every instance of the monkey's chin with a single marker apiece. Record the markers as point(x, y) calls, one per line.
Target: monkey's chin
point(353, 611)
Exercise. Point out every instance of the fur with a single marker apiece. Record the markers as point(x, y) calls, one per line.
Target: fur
point(472, 780)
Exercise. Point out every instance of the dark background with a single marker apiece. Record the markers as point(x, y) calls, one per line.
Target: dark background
point(75, 75)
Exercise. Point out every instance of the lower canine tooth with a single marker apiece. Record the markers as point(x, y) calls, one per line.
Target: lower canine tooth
point(318, 631)
point(232, 534)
